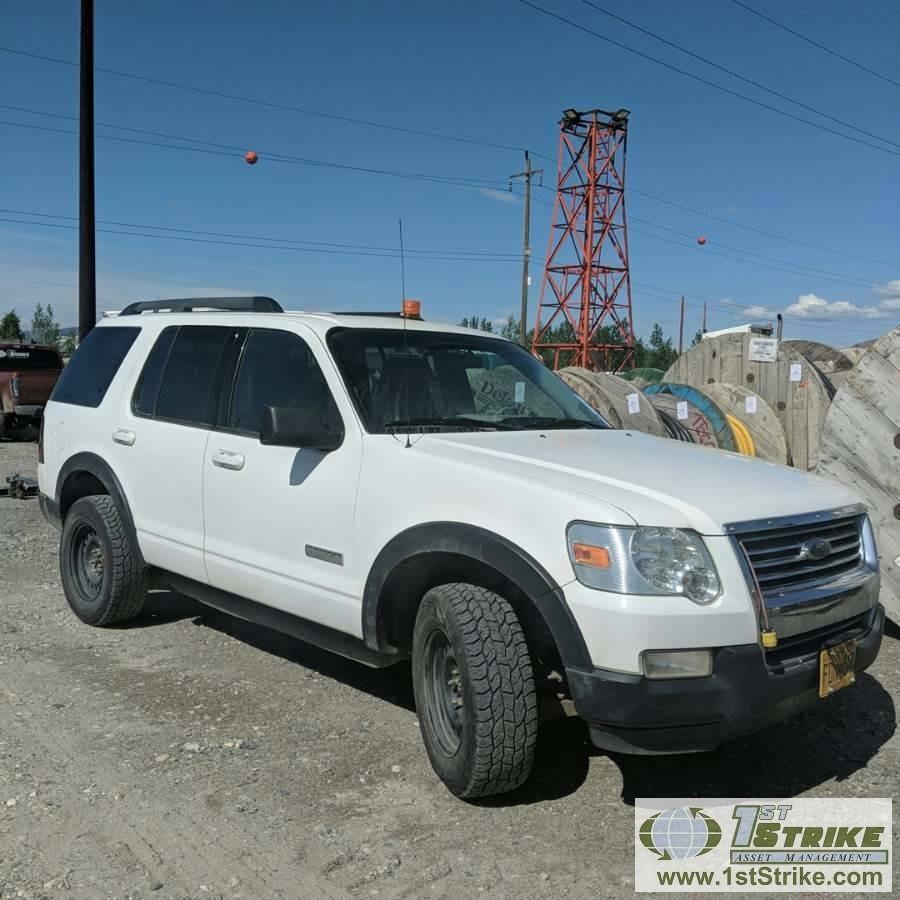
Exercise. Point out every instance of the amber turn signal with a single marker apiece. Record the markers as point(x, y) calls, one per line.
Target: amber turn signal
point(586, 555)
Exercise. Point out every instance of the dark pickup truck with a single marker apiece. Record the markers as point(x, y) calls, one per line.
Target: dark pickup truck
point(28, 373)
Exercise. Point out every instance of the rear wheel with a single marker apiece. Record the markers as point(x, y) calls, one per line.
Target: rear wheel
point(474, 690)
point(103, 577)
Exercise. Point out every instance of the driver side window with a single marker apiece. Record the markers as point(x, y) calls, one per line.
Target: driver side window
point(277, 368)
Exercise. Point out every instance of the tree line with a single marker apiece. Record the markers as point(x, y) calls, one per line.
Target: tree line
point(44, 330)
point(657, 352)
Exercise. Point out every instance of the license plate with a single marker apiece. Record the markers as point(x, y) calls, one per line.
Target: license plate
point(837, 667)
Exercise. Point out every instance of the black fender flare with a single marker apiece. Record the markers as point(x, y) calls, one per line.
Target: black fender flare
point(95, 465)
point(490, 549)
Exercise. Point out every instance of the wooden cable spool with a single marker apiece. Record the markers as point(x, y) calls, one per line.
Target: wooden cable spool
point(860, 448)
point(765, 429)
point(705, 421)
point(834, 364)
point(643, 376)
point(609, 395)
point(801, 406)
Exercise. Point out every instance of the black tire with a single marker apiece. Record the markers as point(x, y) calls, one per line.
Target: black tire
point(103, 576)
point(474, 690)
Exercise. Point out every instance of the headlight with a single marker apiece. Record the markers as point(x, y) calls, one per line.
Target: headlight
point(664, 561)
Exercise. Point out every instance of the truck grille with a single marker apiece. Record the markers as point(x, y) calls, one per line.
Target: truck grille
point(794, 556)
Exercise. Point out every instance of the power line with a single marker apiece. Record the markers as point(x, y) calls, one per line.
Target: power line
point(458, 181)
point(748, 262)
point(771, 234)
point(437, 179)
point(284, 107)
point(512, 255)
point(254, 242)
point(260, 246)
point(733, 74)
point(839, 277)
point(707, 82)
point(814, 43)
point(798, 268)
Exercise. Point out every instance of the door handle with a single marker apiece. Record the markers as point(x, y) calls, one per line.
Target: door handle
point(123, 436)
point(228, 459)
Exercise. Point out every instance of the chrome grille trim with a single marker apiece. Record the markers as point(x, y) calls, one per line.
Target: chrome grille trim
point(782, 564)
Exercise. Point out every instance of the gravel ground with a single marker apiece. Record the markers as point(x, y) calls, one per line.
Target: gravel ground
point(193, 755)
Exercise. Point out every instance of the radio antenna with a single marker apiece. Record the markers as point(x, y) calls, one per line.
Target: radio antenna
point(402, 267)
point(405, 341)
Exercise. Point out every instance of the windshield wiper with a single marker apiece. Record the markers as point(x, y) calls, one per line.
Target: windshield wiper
point(549, 422)
point(462, 423)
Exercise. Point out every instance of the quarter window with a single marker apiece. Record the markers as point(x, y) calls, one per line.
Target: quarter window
point(87, 377)
point(152, 373)
point(277, 368)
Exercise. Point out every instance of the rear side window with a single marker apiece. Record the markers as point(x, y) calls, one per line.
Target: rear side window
point(85, 380)
point(178, 380)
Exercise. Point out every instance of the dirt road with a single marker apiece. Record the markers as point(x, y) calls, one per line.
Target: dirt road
point(193, 755)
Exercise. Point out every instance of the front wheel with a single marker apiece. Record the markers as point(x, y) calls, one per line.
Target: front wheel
point(474, 690)
point(103, 577)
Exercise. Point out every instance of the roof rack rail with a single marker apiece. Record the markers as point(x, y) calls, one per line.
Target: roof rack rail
point(389, 315)
point(224, 304)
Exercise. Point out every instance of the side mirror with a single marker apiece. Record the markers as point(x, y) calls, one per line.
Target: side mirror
point(298, 426)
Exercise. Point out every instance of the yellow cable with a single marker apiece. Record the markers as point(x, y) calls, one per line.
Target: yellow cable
point(742, 436)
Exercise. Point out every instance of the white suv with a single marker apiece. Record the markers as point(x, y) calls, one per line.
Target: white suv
point(391, 489)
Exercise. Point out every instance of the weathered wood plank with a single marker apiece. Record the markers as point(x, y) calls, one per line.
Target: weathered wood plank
point(860, 448)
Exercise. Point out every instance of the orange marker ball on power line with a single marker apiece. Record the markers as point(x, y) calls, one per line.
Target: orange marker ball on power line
point(701, 240)
point(251, 158)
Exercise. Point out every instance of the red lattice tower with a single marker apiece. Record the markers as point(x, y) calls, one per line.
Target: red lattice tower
point(587, 261)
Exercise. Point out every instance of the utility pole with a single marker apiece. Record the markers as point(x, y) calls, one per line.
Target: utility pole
point(681, 329)
point(87, 264)
point(703, 327)
point(526, 176)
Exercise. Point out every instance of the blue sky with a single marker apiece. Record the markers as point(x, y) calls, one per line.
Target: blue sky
point(494, 71)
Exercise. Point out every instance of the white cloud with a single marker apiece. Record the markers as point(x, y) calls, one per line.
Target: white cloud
point(500, 196)
point(809, 306)
point(759, 312)
point(889, 288)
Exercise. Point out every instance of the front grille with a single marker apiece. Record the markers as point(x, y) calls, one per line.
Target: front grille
point(780, 555)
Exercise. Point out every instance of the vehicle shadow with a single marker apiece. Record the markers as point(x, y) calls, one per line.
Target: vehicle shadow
point(392, 684)
point(831, 741)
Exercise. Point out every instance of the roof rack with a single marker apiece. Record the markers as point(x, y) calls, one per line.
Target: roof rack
point(389, 315)
point(224, 304)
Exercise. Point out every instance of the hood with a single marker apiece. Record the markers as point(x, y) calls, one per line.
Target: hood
point(655, 481)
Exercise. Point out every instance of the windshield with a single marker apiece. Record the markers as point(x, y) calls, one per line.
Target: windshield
point(433, 381)
point(15, 359)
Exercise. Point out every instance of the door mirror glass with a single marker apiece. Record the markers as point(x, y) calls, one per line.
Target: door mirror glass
point(298, 426)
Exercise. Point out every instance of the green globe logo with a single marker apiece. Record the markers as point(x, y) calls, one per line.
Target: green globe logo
point(681, 833)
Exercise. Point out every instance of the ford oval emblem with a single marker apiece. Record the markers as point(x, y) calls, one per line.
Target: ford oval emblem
point(817, 548)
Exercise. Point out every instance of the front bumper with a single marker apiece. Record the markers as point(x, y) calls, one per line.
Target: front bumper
point(749, 689)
